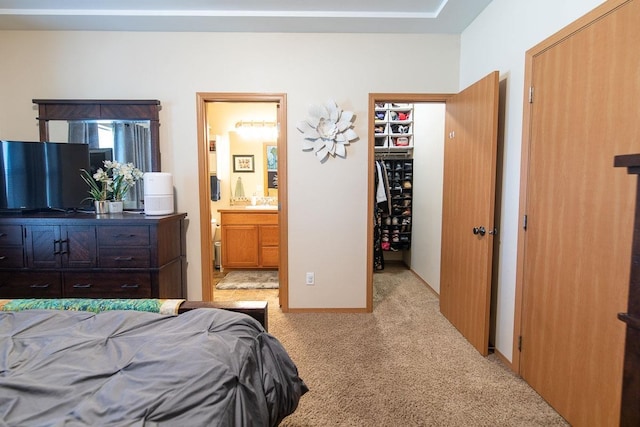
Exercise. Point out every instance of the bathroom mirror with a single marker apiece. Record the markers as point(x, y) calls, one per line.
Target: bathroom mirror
point(121, 130)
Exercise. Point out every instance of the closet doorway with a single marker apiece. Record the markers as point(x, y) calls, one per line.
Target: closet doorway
point(256, 169)
point(468, 213)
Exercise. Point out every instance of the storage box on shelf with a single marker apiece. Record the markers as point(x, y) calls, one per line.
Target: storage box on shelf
point(380, 126)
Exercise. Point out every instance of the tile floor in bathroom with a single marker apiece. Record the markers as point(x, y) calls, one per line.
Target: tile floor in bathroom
point(240, 294)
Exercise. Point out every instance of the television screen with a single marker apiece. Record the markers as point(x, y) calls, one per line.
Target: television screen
point(39, 176)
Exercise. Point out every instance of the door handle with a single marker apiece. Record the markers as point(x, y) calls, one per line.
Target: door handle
point(482, 231)
point(64, 242)
point(56, 247)
point(479, 230)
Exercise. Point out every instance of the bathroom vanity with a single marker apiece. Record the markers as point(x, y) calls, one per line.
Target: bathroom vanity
point(250, 237)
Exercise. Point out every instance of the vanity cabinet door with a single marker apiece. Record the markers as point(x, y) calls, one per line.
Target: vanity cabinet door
point(240, 248)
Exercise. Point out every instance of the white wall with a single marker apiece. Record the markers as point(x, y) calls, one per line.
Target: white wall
point(327, 202)
point(428, 165)
point(498, 40)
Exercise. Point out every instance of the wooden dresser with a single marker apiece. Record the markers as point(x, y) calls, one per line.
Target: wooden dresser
point(250, 238)
point(129, 255)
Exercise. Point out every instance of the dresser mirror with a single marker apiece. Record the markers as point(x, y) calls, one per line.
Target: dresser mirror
point(120, 130)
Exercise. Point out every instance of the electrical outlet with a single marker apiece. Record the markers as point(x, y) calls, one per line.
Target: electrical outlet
point(311, 278)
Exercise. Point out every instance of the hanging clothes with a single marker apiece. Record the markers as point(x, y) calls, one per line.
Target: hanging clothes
point(383, 192)
point(382, 203)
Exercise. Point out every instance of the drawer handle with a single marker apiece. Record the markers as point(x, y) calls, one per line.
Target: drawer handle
point(130, 286)
point(82, 285)
point(2, 257)
point(120, 236)
point(3, 234)
point(123, 258)
point(40, 286)
point(66, 243)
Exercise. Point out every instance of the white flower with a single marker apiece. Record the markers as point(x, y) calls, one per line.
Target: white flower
point(328, 130)
point(124, 177)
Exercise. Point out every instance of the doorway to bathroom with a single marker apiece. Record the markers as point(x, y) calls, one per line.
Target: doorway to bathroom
point(242, 175)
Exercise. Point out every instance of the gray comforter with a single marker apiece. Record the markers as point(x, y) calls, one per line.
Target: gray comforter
point(206, 367)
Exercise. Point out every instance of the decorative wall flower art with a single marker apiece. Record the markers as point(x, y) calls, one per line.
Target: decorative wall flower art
point(328, 130)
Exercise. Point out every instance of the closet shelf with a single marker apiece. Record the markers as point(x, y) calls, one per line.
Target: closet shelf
point(395, 225)
point(393, 127)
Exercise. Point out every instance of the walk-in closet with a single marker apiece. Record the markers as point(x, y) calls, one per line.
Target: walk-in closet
point(409, 157)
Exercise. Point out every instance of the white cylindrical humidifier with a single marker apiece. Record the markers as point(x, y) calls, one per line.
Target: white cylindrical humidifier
point(158, 193)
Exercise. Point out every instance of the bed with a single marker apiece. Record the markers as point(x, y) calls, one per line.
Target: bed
point(137, 367)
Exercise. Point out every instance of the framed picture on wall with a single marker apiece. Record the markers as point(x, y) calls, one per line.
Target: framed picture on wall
point(243, 163)
point(212, 145)
point(272, 180)
point(271, 156)
point(270, 167)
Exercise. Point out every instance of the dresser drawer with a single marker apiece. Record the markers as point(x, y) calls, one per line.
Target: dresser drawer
point(21, 284)
point(123, 236)
point(107, 285)
point(124, 257)
point(10, 235)
point(11, 257)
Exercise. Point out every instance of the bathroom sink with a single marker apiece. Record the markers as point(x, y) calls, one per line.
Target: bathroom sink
point(262, 207)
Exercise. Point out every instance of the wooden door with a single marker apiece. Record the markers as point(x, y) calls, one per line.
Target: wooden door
point(579, 215)
point(471, 124)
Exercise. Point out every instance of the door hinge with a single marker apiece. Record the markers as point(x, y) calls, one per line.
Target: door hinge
point(520, 343)
point(524, 222)
point(530, 94)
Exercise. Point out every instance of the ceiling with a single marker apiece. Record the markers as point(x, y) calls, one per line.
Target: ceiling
point(306, 16)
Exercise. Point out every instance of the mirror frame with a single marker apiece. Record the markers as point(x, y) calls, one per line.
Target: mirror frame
point(93, 109)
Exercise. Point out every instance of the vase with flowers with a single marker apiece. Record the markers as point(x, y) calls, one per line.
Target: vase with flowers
point(99, 187)
point(111, 184)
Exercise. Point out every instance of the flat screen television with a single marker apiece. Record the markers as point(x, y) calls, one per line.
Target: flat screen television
point(43, 176)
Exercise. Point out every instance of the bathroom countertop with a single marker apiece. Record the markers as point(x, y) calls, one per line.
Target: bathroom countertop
point(250, 208)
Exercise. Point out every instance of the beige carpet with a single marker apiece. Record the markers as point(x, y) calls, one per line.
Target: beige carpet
point(249, 279)
point(402, 365)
